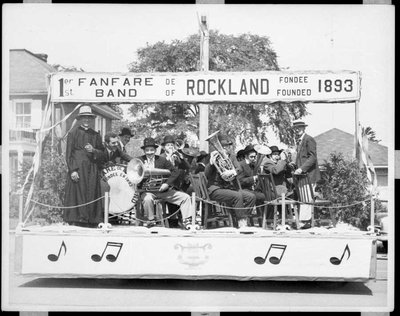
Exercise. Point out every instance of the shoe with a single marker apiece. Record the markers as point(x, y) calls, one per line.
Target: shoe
point(187, 222)
point(242, 223)
point(151, 223)
point(306, 225)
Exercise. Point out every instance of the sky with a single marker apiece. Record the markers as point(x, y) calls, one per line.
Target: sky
point(104, 38)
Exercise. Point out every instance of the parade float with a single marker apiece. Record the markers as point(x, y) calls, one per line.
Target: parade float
point(252, 253)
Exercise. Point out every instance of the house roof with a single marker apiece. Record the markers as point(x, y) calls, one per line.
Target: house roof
point(336, 140)
point(28, 72)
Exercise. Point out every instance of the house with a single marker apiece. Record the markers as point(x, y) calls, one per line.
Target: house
point(28, 97)
point(336, 140)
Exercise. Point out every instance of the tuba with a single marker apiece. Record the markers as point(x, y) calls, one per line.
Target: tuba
point(149, 180)
point(220, 159)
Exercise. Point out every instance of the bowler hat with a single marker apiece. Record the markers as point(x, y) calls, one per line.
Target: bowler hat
point(126, 131)
point(240, 154)
point(275, 149)
point(248, 148)
point(149, 142)
point(168, 139)
point(299, 123)
point(85, 110)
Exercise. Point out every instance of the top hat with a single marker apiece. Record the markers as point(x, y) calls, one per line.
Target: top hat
point(168, 139)
point(248, 148)
point(299, 123)
point(85, 110)
point(149, 142)
point(224, 140)
point(275, 149)
point(126, 131)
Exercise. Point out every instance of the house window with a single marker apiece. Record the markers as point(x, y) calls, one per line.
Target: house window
point(23, 114)
point(100, 126)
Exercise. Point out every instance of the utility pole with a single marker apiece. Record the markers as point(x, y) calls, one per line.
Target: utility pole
point(204, 57)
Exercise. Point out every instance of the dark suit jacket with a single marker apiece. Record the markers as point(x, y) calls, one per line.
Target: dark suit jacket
point(106, 158)
point(306, 158)
point(163, 163)
point(215, 181)
point(278, 170)
point(246, 175)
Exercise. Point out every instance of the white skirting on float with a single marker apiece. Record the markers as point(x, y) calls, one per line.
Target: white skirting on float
point(255, 254)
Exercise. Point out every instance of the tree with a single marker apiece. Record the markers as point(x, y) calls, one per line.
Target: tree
point(345, 183)
point(245, 52)
point(370, 133)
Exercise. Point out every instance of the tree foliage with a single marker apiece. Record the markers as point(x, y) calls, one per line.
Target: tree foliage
point(245, 52)
point(49, 186)
point(345, 183)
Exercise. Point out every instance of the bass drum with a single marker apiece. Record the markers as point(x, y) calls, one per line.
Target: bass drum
point(121, 195)
point(121, 189)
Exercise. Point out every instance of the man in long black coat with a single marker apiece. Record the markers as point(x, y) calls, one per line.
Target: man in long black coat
point(83, 185)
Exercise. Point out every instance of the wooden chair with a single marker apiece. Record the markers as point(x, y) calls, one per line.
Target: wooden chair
point(212, 211)
point(160, 211)
point(305, 193)
point(268, 187)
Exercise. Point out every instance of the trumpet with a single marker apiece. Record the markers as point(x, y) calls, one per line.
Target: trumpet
point(220, 159)
point(290, 153)
point(179, 144)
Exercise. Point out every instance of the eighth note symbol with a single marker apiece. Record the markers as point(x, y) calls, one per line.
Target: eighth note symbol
point(109, 257)
point(273, 259)
point(53, 257)
point(337, 261)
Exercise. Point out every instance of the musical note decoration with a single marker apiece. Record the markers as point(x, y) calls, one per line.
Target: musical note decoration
point(110, 257)
point(273, 259)
point(53, 257)
point(336, 261)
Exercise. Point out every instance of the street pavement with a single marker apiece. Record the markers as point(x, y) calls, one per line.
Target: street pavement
point(57, 294)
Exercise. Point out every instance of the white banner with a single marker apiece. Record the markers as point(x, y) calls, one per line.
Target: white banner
point(232, 257)
point(268, 86)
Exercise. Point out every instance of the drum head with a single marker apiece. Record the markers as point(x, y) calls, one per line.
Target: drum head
point(121, 194)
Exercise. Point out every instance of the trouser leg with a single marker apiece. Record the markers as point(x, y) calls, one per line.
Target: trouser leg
point(148, 204)
point(178, 198)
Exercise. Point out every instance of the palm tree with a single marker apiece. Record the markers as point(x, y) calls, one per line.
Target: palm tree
point(370, 133)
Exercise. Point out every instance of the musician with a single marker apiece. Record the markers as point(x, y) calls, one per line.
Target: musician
point(112, 151)
point(202, 160)
point(227, 192)
point(176, 158)
point(166, 192)
point(124, 138)
point(248, 174)
point(276, 164)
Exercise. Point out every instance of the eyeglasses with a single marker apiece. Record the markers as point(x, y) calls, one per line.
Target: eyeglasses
point(252, 157)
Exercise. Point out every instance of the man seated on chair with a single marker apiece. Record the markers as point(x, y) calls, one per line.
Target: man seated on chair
point(228, 191)
point(166, 192)
point(248, 174)
point(276, 164)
